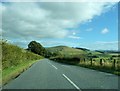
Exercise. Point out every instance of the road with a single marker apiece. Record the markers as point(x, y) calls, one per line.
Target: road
point(46, 74)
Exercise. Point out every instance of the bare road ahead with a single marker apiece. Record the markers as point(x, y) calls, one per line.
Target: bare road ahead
point(46, 74)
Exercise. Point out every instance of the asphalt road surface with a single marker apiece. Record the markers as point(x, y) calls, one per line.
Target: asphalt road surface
point(46, 74)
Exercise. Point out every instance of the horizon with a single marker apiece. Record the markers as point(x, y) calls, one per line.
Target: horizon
point(92, 26)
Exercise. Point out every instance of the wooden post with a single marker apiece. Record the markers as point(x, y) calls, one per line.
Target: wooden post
point(114, 62)
point(101, 63)
point(79, 60)
point(84, 60)
point(91, 61)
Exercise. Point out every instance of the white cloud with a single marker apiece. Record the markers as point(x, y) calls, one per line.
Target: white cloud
point(60, 1)
point(74, 33)
point(104, 31)
point(102, 45)
point(74, 37)
point(106, 42)
point(106, 45)
point(47, 20)
point(90, 29)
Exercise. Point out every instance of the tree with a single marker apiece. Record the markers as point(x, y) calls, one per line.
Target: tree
point(37, 48)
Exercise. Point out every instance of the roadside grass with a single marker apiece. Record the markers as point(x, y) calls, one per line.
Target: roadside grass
point(107, 69)
point(107, 65)
point(13, 55)
point(15, 60)
point(14, 71)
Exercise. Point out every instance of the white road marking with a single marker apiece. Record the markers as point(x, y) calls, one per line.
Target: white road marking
point(92, 70)
point(108, 74)
point(102, 72)
point(49, 63)
point(64, 66)
point(54, 67)
point(71, 82)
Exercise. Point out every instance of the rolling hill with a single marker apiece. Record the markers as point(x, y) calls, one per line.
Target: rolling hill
point(66, 51)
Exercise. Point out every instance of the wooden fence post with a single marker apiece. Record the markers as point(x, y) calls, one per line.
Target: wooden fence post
point(91, 61)
point(84, 60)
point(101, 63)
point(114, 62)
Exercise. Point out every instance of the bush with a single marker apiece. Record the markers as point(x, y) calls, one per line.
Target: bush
point(73, 60)
point(37, 48)
point(13, 55)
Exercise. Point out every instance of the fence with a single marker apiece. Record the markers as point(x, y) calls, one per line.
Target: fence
point(99, 62)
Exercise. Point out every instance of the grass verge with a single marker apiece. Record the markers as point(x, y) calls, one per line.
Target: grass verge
point(95, 67)
point(103, 69)
point(14, 71)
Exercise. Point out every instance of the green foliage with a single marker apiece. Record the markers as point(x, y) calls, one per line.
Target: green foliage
point(37, 48)
point(13, 55)
point(73, 60)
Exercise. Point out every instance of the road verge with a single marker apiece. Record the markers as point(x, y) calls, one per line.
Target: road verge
point(14, 71)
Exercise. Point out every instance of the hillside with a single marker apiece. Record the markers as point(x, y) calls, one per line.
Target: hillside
point(70, 52)
point(66, 51)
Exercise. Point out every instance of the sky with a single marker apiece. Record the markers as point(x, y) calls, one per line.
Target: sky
point(89, 25)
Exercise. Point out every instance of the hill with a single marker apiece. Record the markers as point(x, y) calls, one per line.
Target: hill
point(66, 51)
point(84, 49)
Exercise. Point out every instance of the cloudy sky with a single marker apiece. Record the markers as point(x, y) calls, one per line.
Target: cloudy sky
point(90, 25)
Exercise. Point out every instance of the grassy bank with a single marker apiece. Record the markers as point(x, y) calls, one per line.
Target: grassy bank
point(101, 68)
point(102, 64)
point(14, 71)
point(15, 60)
point(96, 64)
point(13, 55)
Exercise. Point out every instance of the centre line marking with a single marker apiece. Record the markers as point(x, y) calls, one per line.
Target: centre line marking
point(49, 63)
point(72, 82)
point(54, 67)
point(64, 66)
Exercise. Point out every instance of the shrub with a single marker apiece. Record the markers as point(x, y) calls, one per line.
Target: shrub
point(13, 55)
point(37, 48)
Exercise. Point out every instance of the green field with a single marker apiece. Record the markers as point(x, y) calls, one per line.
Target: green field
point(91, 59)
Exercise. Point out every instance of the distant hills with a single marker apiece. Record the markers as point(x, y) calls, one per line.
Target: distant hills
point(108, 51)
point(84, 49)
point(66, 51)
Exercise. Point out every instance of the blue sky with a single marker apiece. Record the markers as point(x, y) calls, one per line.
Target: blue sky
point(88, 25)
